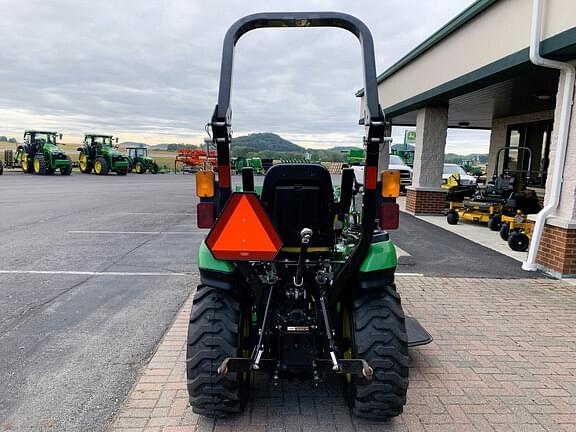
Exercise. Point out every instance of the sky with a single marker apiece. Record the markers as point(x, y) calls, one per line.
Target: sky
point(148, 70)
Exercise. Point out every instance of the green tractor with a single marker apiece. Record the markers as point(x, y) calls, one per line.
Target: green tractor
point(255, 163)
point(99, 153)
point(354, 156)
point(140, 162)
point(294, 281)
point(41, 155)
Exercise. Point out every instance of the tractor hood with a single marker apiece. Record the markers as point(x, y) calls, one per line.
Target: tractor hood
point(111, 151)
point(54, 149)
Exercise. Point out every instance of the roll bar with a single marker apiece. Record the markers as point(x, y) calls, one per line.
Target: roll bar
point(222, 118)
point(374, 124)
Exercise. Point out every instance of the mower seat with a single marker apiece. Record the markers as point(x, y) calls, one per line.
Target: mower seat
point(300, 196)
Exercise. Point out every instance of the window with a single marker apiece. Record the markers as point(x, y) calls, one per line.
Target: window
point(532, 163)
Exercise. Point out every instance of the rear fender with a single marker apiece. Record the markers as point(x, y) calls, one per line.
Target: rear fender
point(213, 272)
point(377, 269)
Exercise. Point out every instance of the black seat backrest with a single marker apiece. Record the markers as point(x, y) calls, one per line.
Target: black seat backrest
point(300, 196)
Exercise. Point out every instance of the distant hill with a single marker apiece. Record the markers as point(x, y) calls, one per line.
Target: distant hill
point(265, 141)
point(458, 158)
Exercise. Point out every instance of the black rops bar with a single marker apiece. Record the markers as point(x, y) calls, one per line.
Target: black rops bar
point(373, 118)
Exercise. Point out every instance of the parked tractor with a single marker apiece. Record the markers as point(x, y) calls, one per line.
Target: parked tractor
point(295, 283)
point(255, 163)
point(41, 155)
point(140, 162)
point(99, 153)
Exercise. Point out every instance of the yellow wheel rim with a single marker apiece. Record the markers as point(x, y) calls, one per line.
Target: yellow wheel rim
point(138, 168)
point(82, 162)
point(36, 166)
point(24, 162)
point(97, 167)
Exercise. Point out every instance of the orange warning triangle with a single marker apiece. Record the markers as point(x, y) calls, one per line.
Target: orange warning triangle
point(244, 231)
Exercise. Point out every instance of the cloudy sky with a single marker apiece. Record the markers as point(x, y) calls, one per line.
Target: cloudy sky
point(148, 70)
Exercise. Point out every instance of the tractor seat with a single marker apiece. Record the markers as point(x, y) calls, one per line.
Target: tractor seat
point(300, 196)
point(505, 184)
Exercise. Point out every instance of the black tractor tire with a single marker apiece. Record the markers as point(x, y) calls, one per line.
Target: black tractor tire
point(214, 333)
point(105, 168)
point(155, 168)
point(504, 231)
point(39, 165)
point(494, 223)
point(66, 170)
point(379, 337)
point(452, 217)
point(1, 168)
point(88, 168)
point(27, 165)
point(518, 241)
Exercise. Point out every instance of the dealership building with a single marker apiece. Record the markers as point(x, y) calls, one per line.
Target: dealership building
point(478, 72)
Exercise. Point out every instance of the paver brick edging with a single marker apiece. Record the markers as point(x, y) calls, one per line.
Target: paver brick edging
point(502, 360)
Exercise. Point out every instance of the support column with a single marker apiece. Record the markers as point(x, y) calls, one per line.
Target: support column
point(557, 252)
point(425, 196)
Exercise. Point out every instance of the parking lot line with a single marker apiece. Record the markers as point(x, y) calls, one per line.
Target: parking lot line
point(139, 232)
point(90, 273)
point(159, 214)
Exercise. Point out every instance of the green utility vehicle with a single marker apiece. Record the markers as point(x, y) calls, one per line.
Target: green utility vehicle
point(140, 162)
point(255, 163)
point(294, 281)
point(354, 156)
point(41, 155)
point(99, 153)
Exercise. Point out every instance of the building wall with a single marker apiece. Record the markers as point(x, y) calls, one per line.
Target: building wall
point(501, 30)
point(565, 215)
point(500, 130)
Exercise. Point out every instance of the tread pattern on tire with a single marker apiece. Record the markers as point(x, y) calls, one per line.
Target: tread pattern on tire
point(379, 337)
point(104, 165)
point(213, 335)
point(42, 162)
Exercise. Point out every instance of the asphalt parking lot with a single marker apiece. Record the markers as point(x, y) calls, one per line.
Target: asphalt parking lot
point(92, 271)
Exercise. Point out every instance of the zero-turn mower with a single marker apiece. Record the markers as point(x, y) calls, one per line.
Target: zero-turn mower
point(41, 155)
point(506, 195)
point(291, 284)
point(101, 155)
point(517, 231)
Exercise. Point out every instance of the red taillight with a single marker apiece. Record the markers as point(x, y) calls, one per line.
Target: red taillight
point(389, 215)
point(205, 214)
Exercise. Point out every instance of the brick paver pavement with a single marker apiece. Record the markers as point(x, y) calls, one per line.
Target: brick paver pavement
point(503, 359)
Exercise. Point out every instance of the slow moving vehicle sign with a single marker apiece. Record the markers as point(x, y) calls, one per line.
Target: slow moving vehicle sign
point(244, 231)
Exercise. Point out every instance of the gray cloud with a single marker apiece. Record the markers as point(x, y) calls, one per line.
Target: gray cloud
point(150, 68)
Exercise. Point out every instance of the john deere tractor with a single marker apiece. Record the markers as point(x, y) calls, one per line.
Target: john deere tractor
point(41, 155)
point(140, 162)
point(100, 154)
point(295, 282)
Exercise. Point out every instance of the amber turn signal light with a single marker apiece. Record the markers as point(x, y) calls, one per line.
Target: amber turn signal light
point(205, 184)
point(390, 184)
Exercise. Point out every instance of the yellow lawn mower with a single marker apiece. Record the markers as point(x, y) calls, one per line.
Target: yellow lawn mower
point(505, 196)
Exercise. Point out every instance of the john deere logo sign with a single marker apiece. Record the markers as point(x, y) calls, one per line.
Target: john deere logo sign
point(410, 137)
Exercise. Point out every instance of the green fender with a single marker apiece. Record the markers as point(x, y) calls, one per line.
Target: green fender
point(206, 261)
point(381, 256)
